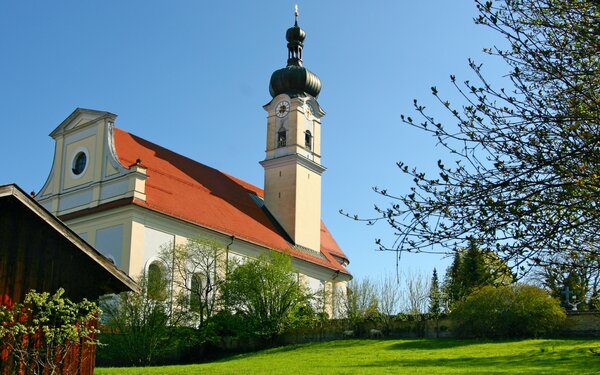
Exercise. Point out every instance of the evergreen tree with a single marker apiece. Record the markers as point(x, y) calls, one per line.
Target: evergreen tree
point(474, 271)
point(471, 269)
point(435, 300)
point(453, 281)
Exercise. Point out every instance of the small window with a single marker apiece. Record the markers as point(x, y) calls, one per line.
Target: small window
point(79, 163)
point(308, 140)
point(281, 138)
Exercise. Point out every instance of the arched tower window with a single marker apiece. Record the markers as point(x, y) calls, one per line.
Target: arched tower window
point(281, 137)
point(308, 140)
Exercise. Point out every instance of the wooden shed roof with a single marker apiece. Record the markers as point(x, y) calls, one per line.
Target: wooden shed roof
point(38, 251)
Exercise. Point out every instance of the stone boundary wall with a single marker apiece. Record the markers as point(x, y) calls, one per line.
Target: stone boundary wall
point(401, 329)
point(582, 324)
point(578, 324)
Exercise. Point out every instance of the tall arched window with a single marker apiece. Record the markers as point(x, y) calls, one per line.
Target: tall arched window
point(157, 281)
point(308, 140)
point(281, 137)
point(196, 292)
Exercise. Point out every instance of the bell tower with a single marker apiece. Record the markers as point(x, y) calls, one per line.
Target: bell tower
point(293, 157)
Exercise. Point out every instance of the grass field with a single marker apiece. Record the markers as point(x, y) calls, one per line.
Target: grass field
point(426, 356)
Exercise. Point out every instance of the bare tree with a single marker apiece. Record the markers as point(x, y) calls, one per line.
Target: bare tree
point(417, 294)
point(361, 301)
point(389, 297)
point(197, 273)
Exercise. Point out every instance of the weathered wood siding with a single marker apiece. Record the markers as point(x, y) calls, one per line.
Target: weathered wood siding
point(33, 256)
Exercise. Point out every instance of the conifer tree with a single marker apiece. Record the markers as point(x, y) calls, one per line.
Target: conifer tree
point(471, 269)
point(435, 300)
point(474, 272)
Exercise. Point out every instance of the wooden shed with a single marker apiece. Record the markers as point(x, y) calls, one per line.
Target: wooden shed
point(38, 251)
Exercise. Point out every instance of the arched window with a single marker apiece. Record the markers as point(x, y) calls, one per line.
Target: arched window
point(281, 137)
point(196, 291)
point(308, 140)
point(157, 281)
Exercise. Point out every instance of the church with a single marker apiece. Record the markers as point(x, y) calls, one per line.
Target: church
point(128, 197)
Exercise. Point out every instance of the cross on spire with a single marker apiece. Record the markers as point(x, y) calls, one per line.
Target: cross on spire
point(296, 15)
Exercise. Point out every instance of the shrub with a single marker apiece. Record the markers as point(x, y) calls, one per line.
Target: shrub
point(138, 329)
point(264, 291)
point(39, 334)
point(517, 310)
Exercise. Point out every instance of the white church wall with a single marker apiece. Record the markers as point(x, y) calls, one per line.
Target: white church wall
point(144, 232)
point(101, 231)
point(154, 241)
point(109, 241)
point(314, 285)
point(236, 258)
point(340, 295)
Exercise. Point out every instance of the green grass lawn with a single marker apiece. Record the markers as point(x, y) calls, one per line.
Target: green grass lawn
point(425, 356)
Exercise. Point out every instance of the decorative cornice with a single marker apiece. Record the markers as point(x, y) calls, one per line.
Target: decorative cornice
point(293, 159)
point(99, 115)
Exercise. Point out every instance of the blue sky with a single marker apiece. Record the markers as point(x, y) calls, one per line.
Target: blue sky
point(193, 76)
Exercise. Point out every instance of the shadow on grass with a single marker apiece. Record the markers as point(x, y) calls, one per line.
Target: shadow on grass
point(333, 344)
point(565, 341)
point(520, 364)
point(267, 351)
point(322, 345)
point(431, 344)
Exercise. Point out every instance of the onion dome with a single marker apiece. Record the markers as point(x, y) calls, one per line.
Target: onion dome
point(295, 79)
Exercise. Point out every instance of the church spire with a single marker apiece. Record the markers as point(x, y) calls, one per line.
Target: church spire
point(295, 79)
point(295, 37)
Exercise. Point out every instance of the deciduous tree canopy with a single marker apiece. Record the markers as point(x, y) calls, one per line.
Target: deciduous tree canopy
point(265, 291)
point(523, 175)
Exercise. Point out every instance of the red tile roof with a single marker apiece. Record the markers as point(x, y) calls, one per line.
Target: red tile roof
point(183, 188)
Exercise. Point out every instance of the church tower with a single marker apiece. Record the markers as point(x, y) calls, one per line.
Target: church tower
point(293, 157)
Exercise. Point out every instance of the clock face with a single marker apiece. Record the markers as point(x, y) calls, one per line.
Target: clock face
point(307, 112)
point(282, 109)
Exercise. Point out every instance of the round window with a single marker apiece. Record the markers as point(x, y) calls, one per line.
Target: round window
point(79, 163)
